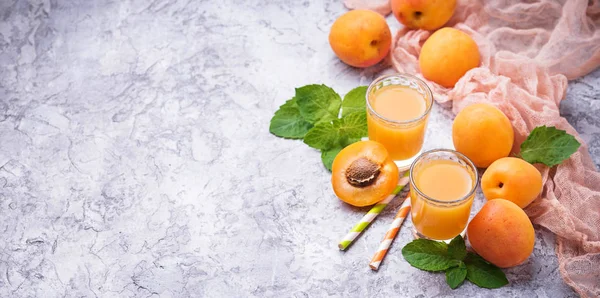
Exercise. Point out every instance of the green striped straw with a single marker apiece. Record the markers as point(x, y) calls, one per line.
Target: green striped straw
point(370, 216)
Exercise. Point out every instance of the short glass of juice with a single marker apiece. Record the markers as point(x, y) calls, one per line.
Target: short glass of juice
point(442, 188)
point(398, 108)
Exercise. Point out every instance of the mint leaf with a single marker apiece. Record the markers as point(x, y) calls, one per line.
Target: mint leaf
point(353, 126)
point(428, 255)
point(484, 274)
point(456, 275)
point(457, 249)
point(548, 145)
point(355, 101)
point(323, 136)
point(318, 103)
point(288, 123)
point(327, 156)
point(339, 133)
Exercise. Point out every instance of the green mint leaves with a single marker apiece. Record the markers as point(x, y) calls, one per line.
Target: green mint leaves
point(318, 103)
point(312, 115)
point(428, 255)
point(456, 275)
point(484, 274)
point(288, 123)
point(457, 248)
point(548, 145)
point(338, 133)
point(454, 259)
point(354, 101)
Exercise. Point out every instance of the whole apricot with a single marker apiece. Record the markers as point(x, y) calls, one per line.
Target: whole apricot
point(512, 179)
point(501, 233)
point(447, 55)
point(423, 14)
point(483, 133)
point(363, 174)
point(360, 38)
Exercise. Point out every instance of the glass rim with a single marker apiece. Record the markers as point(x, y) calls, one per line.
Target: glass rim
point(428, 92)
point(444, 203)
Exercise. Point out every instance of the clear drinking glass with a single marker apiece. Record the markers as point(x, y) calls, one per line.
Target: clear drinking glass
point(442, 219)
point(402, 139)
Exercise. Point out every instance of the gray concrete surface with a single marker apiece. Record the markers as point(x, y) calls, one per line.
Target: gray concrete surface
point(135, 157)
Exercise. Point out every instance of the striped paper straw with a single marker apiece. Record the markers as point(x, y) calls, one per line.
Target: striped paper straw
point(390, 234)
point(370, 216)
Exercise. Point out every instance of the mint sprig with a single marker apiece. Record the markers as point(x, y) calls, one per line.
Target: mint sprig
point(312, 115)
point(548, 145)
point(454, 259)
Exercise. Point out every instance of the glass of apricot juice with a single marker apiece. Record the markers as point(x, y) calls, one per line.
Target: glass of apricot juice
point(398, 108)
point(442, 188)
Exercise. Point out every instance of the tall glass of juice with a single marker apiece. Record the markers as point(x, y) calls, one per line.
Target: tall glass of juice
point(442, 188)
point(398, 108)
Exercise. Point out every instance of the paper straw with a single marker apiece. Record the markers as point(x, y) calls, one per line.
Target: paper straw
point(390, 234)
point(370, 216)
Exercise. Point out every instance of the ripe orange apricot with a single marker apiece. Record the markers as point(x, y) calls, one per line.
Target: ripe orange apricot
point(360, 38)
point(363, 174)
point(423, 14)
point(483, 133)
point(447, 55)
point(502, 233)
point(512, 179)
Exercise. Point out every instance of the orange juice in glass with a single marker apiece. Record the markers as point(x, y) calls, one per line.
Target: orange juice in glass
point(398, 108)
point(442, 188)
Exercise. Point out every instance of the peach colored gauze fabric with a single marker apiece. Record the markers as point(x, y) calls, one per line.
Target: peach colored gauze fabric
point(529, 49)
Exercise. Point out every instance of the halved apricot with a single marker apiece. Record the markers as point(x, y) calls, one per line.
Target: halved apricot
point(363, 174)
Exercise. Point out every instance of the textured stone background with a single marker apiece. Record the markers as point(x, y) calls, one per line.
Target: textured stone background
point(135, 157)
